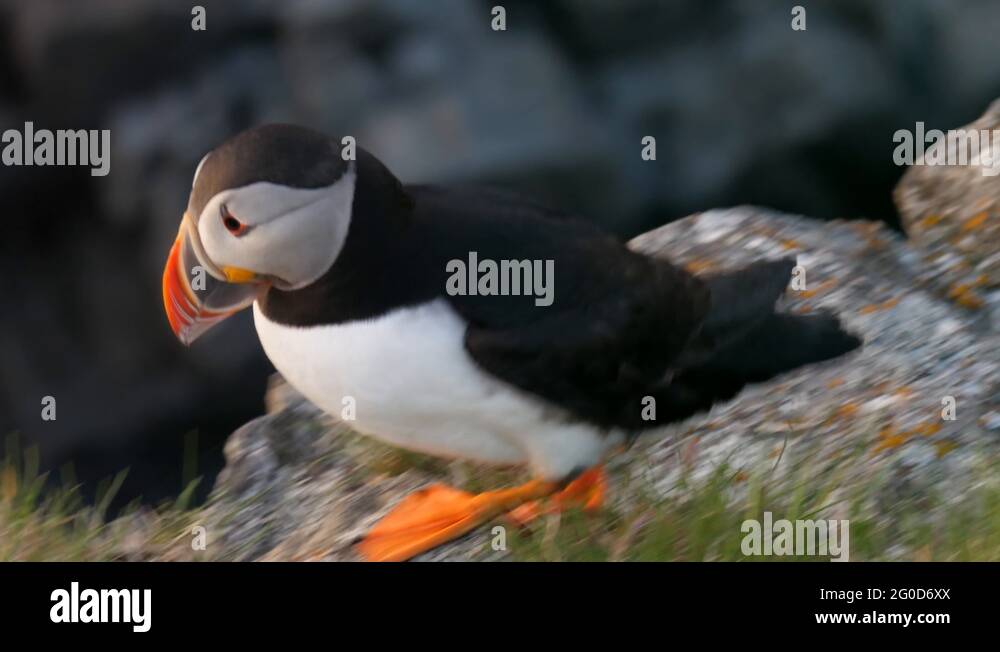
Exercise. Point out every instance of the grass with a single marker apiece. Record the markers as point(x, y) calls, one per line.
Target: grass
point(40, 524)
point(701, 520)
point(696, 519)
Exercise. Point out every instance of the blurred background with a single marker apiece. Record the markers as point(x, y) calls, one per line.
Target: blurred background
point(743, 108)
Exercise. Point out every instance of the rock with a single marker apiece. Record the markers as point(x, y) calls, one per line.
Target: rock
point(952, 215)
point(886, 399)
point(299, 485)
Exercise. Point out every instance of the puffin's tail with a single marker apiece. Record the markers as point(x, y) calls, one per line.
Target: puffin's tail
point(743, 340)
point(779, 342)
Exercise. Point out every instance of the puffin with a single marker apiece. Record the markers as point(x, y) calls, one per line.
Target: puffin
point(350, 275)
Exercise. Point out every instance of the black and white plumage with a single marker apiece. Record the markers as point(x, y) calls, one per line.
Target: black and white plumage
point(349, 274)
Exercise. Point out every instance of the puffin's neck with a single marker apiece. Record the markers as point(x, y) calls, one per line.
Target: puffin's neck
point(378, 268)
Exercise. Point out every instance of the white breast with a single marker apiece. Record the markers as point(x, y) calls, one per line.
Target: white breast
point(413, 384)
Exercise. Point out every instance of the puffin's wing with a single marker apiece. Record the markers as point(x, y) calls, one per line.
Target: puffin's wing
point(683, 342)
point(622, 327)
point(595, 352)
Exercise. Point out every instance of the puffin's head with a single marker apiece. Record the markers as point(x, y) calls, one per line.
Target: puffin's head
point(271, 206)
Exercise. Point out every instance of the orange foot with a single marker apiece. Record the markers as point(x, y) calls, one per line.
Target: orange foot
point(586, 491)
point(432, 516)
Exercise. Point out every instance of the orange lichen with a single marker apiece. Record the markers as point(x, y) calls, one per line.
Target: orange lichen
point(889, 438)
point(974, 222)
point(944, 447)
point(875, 307)
point(846, 411)
point(981, 281)
point(930, 220)
point(790, 243)
point(822, 287)
point(834, 383)
point(928, 429)
point(965, 296)
point(699, 265)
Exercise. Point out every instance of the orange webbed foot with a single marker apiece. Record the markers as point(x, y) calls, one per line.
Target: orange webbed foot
point(587, 491)
point(430, 517)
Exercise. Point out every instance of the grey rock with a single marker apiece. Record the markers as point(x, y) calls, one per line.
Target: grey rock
point(952, 215)
point(886, 398)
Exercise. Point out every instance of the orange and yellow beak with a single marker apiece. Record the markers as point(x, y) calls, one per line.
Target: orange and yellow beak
point(193, 298)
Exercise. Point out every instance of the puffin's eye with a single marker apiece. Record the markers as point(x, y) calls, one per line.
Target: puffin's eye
point(232, 224)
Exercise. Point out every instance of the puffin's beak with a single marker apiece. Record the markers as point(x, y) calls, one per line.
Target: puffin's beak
point(194, 299)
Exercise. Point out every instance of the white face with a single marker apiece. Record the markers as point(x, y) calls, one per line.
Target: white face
point(289, 236)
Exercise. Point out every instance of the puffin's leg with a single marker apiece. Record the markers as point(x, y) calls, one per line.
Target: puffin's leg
point(427, 518)
point(587, 490)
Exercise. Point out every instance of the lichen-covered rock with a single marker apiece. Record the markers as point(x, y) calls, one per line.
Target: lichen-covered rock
point(887, 401)
point(298, 485)
point(952, 215)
